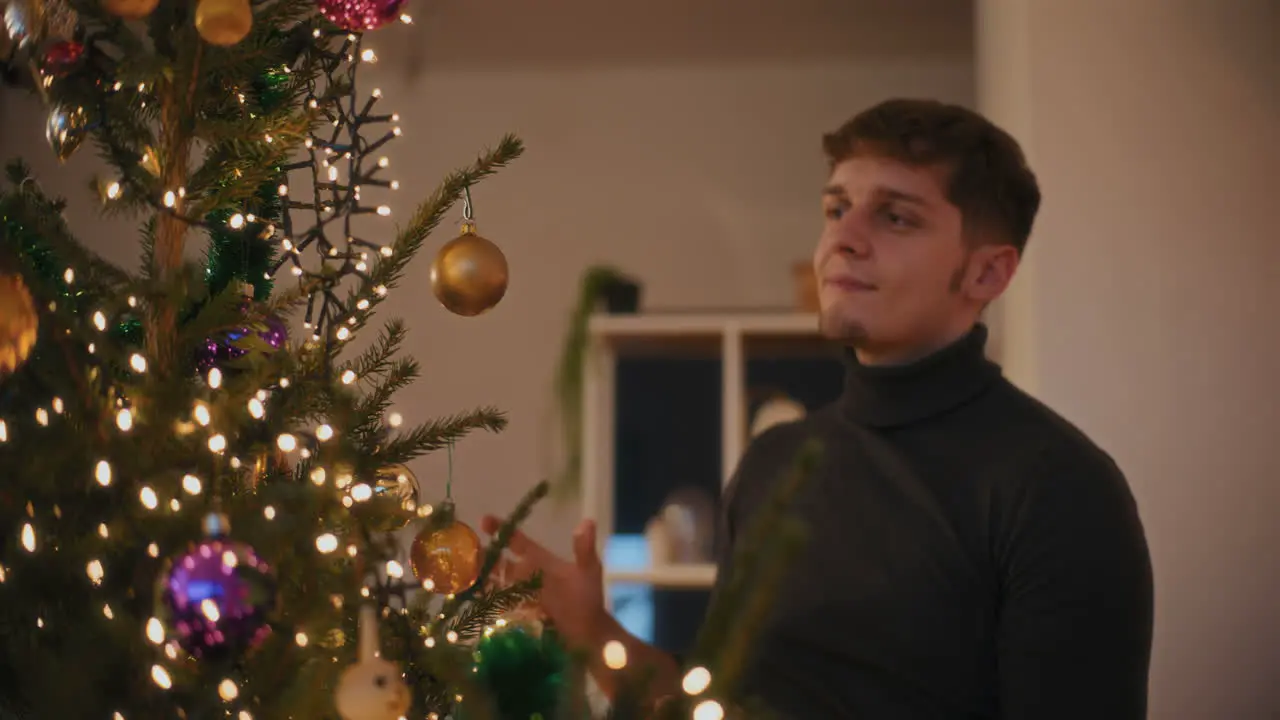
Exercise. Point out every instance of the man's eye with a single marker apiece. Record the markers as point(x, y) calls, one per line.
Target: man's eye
point(835, 212)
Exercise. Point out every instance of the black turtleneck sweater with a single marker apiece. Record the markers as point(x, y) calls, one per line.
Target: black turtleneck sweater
point(971, 555)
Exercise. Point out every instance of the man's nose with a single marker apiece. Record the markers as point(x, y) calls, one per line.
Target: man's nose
point(852, 236)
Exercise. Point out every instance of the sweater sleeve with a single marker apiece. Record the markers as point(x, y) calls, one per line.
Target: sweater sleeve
point(1075, 620)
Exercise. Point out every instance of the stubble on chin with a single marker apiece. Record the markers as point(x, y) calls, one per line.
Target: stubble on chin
point(841, 330)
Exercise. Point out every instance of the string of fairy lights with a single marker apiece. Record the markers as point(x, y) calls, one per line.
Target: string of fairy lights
point(340, 168)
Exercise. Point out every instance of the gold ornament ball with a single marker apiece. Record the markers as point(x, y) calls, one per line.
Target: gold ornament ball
point(223, 22)
point(399, 482)
point(65, 130)
point(449, 557)
point(469, 274)
point(130, 9)
point(19, 323)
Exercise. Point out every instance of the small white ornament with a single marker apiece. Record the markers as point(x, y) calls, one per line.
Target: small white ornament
point(373, 688)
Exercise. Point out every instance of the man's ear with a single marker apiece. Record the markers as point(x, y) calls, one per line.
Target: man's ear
point(994, 267)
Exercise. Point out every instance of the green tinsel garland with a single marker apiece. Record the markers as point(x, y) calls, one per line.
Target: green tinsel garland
point(524, 674)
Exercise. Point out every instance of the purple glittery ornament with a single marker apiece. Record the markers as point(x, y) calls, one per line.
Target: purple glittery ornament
point(217, 597)
point(221, 350)
point(357, 15)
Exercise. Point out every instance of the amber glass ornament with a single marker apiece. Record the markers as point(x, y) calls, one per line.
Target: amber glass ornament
point(19, 323)
point(446, 559)
point(223, 22)
point(469, 274)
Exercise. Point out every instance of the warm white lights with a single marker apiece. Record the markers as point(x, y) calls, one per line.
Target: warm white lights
point(324, 433)
point(615, 655)
point(327, 543)
point(124, 419)
point(708, 710)
point(138, 363)
point(696, 681)
point(256, 409)
point(102, 473)
point(94, 571)
point(160, 677)
point(191, 484)
point(155, 631)
point(287, 442)
point(147, 496)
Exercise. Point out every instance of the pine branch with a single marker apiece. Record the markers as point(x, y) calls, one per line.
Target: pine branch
point(440, 433)
point(485, 609)
point(376, 359)
point(426, 218)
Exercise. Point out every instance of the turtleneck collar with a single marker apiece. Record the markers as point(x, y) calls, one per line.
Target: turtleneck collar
point(890, 396)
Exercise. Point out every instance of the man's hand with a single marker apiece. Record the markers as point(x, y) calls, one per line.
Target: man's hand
point(572, 594)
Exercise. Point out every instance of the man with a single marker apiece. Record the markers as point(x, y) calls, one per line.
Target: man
point(971, 554)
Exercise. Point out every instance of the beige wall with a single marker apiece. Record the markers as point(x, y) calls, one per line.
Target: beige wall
point(682, 146)
point(1146, 311)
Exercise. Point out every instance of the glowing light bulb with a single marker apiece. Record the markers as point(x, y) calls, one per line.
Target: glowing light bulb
point(94, 571)
point(102, 473)
point(160, 677)
point(287, 442)
point(394, 569)
point(327, 543)
point(155, 631)
point(138, 363)
point(256, 408)
point(201, 413)
point(348, 377)
point(708, 710)
point(227, 690)
point(696, 680)
point(218, 443)
point(99, 320)
point(324, 433)
point(124, 419)
point(361, 492)
point(191, 484)
point(148, 497)
point(215, 378)
point(615, 655)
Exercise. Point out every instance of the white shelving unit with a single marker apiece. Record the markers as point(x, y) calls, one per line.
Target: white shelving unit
point(729, 335)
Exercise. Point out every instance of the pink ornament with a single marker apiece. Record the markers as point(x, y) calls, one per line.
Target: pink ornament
point(357, 15)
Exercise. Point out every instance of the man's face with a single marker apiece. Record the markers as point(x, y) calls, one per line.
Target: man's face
point(896, 277)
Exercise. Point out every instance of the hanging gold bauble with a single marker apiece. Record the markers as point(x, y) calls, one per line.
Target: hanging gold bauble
point(469, 274)
point(223, 22)
point(399, 482)
point(19, 323)
point(130, 9)
point(446, 559)
point(65, 130)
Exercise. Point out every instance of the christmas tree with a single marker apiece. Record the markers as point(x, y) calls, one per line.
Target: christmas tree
point(199, 514)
